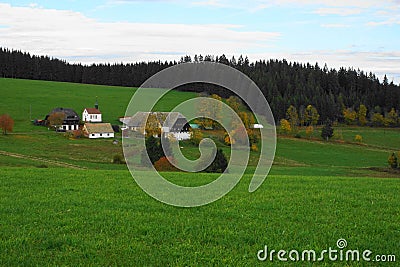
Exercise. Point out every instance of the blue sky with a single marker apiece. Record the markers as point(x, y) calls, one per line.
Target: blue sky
point(353, 33)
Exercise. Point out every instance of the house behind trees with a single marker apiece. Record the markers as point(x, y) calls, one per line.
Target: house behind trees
point(70, 121)
point(168, 124)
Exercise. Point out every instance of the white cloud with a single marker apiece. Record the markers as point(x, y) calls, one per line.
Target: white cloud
point(212, 3)
point(390, 21)
point(338, 11)
point(324, 3)
point(386, 17)
point(335, 26)
point(70, 34)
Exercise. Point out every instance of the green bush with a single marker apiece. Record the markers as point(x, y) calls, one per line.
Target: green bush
point(118, 159)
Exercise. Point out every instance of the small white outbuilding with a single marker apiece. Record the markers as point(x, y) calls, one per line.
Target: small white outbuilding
point(98, 130)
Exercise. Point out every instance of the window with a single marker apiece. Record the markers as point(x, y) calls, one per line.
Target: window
point(92, 134)
point(101, 134)
point(108, 134)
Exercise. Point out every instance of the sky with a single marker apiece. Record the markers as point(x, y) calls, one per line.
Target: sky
point(362, 34)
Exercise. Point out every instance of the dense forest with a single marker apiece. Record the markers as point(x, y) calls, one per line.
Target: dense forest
point(283, 83)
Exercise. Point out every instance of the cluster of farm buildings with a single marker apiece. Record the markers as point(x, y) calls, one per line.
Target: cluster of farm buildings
point(171, 124)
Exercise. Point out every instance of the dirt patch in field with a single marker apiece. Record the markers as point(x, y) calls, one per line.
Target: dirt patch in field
point(384, 172)
point(26, 137)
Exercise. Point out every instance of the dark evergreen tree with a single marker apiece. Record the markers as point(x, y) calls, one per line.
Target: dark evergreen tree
point(155, 151)
point(283, 83)
point(219, 163)
point(327, 130)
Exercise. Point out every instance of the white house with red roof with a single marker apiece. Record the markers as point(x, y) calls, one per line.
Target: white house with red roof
point(92, 114)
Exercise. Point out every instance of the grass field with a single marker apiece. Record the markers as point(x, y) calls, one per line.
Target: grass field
point(103, 218)
point(317, 193)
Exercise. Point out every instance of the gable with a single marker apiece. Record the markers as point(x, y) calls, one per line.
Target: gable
point(92, 111)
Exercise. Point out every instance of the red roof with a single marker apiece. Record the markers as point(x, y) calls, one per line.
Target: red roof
point(93, 110)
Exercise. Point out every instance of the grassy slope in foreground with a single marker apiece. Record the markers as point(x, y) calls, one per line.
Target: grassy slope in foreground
point(103, 218)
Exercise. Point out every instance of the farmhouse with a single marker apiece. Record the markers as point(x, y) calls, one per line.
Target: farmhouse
point(98, 130)
point(170, 124)
point(70, 122)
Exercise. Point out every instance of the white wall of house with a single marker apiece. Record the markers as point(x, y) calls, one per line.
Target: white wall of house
point(69, 127)
point(101, 135)
point(91, 117)
point(257, 126)
point(180, 136)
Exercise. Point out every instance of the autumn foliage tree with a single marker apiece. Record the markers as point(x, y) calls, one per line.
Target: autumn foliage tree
point(292, 117)
point(235, 103)
point(377, 120)
point(285, 126)
point(152, 127)
point(6, 123)
point(164, 164)
point(56, 119)
point(196, 137)
point(392, 118)
point(309, 131)
point(350, 116)
point(362, 115)
point(311, 115)
point(393, 161)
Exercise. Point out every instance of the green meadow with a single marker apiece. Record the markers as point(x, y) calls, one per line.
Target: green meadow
point(95, 214)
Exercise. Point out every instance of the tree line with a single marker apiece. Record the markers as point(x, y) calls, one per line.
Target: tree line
point(283, 83)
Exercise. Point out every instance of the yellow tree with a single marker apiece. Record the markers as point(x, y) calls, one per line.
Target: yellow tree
point(247, 119)
point(309, 131)
point(392, 117)
point(207, 109)
point(378, 119)
point(204, 112)
point(293, 117)
point(216, 110)
point(152, 126)
point(285, 126)
point(196, 137)
point(362, 115)
point(311, 115)
point(235, 103)
point(350, 115)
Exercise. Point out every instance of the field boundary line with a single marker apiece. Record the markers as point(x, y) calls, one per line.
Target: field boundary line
point(54, 162)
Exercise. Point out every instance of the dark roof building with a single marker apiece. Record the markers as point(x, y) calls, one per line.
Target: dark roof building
point(174, 121)
point(70, 122)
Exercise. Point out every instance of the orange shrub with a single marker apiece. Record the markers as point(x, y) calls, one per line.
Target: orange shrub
point(164, 164)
